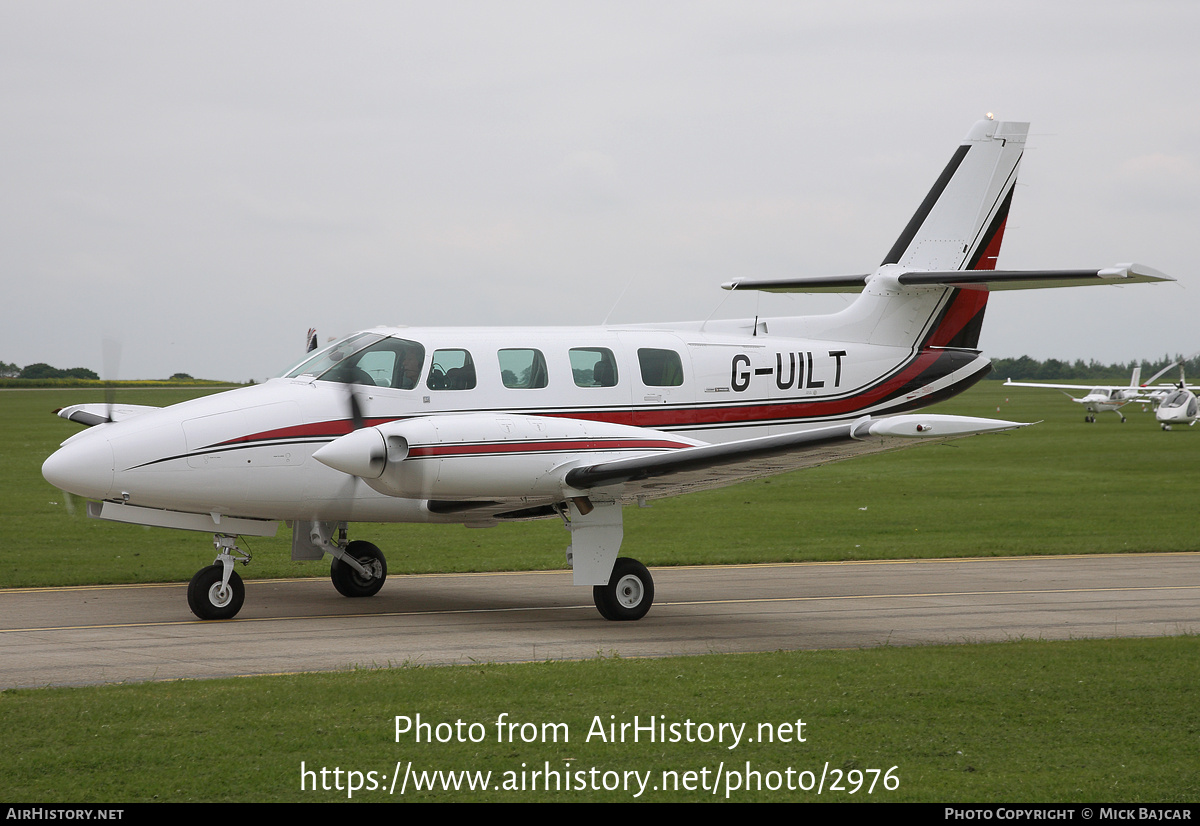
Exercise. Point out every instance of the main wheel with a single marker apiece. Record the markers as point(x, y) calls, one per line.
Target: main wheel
point(349, 582)
point(628, 594)
point(208, 600)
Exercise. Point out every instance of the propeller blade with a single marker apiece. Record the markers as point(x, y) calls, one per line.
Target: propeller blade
point(356, 415)
point(110, 349)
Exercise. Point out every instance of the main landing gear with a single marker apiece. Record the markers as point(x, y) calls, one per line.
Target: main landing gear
point(622, 588)
point(364, 576)
point(628, 594)
point(1091, 417)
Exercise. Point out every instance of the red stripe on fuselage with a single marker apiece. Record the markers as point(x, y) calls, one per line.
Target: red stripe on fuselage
point(575, 446)
point(333, 428)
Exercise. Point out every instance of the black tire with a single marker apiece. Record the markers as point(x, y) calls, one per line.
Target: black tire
point(206, 599)
point(349, 582)
point(628, 594)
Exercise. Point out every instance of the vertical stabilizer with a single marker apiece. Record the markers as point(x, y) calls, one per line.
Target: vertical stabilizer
point(958, 227)
point(960, 223)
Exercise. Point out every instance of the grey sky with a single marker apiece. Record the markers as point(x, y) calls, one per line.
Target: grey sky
point(204, 181)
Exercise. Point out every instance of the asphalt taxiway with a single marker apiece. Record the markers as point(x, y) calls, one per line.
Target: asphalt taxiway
point(130, 633)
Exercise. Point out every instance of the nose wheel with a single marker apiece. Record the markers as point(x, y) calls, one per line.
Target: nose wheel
point(212, 598)
point(217, 592)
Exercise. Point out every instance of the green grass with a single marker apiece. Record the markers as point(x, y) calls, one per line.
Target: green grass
point(1108, 720)
point(1062, 486)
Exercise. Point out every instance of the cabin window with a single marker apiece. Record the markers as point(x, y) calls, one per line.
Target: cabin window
point(523, 369)
point(660, 368)
point(451, 370)
point(593, 367)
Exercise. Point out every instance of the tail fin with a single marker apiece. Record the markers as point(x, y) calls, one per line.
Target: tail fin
point(960, 223)
point(932, 288)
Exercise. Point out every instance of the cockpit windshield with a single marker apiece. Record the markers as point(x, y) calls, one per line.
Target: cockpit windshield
point(1176, 399)
point(322, 360)
point(370, 359)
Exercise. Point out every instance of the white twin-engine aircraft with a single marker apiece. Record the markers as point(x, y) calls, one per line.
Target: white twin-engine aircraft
point(486, 425)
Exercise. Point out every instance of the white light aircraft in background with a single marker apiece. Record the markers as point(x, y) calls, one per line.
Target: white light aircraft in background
point(1103, 398)
point(479, 426)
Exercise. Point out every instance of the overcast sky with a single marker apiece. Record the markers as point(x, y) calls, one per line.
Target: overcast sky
point(204, 181)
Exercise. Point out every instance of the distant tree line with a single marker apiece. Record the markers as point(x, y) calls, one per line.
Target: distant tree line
point(44, 371)
point(41, 370)
point(1030, 369)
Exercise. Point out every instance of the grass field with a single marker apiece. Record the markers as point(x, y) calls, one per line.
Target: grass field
point(1099, 721)
point(1025, 721)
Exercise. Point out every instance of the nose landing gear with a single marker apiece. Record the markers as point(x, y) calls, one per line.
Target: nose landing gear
point(217, 592)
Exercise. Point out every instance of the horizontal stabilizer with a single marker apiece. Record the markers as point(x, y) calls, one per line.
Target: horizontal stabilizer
point(989, 280)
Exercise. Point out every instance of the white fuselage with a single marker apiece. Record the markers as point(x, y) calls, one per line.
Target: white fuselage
point(1106, 399)
point(248, 452)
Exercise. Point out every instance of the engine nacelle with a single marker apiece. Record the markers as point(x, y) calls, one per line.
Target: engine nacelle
point(485, 455)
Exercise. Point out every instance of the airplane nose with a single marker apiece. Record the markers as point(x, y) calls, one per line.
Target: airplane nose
point(83, 467)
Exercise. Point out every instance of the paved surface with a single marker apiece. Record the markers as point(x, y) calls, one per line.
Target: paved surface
point(102, 634)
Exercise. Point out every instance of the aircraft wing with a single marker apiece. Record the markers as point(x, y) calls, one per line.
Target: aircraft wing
point(520, 466)
point(94, 414)
point(1011, 383)
point(718, 465)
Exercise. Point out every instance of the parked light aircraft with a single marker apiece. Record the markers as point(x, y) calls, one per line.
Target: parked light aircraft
point(487, 425)
point(1102, 398)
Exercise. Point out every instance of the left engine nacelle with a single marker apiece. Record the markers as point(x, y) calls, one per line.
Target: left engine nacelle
point(484, 455)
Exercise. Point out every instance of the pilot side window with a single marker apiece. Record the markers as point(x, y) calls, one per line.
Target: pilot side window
point(593, 367)
point(451, 370)
point(524, 369)
point(389, 362)
point(660, 368)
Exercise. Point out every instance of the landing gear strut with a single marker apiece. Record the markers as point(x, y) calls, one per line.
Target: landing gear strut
point(622, 588)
